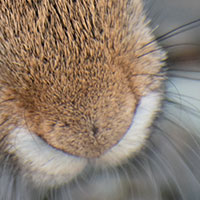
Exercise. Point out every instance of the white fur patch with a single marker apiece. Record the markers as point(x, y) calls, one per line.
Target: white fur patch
point(138, 132)
point(42, 163)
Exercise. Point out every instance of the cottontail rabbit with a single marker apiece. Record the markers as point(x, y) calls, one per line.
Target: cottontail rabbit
point(81, 83)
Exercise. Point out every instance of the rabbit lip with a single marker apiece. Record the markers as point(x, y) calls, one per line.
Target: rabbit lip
point(91, 146)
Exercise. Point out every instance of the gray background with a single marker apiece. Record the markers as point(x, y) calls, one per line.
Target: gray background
point(169, 14)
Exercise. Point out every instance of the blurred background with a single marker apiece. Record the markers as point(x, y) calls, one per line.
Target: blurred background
point(169, 14)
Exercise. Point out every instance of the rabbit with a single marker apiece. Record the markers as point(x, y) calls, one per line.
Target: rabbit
point(82, 84)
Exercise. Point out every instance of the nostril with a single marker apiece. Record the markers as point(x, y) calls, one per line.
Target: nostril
point(95, 130)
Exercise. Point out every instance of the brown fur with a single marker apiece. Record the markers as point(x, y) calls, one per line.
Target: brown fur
point(70, 70)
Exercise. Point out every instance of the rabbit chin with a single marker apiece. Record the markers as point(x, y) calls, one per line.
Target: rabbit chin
point(48, 167)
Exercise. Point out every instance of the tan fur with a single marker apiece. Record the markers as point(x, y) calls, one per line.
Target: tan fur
point(70, 71)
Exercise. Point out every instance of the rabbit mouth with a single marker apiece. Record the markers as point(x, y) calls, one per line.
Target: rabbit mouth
point(38, 159)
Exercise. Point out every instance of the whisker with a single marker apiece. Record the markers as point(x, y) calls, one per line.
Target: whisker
point(168, 47)
point(173, 31)
point(183, 95)
point(167, 136)
point(176, 95)
point(128, 180)
point(178, 32)
point(180, 152)
point(161, 75)
point(193, 109)
point(183, 77)
point(176, 124)
point(161, 168)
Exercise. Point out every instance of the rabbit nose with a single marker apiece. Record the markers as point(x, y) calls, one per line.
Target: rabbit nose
point(95, 130)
